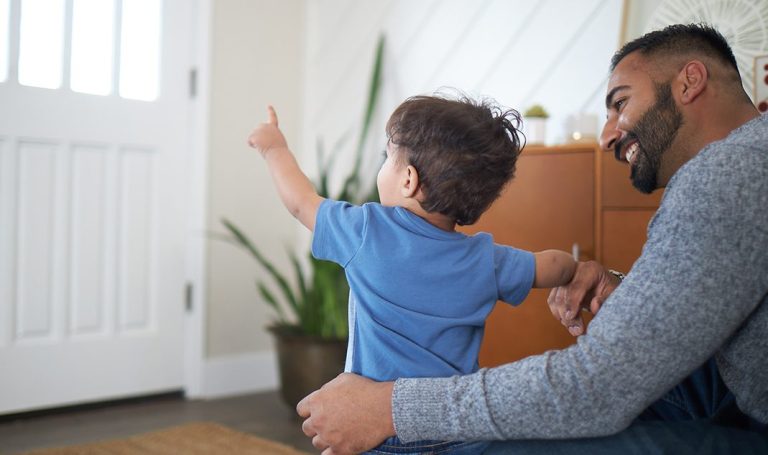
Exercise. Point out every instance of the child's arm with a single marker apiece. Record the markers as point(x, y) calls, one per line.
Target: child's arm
point(295, 190)
point(553, 268)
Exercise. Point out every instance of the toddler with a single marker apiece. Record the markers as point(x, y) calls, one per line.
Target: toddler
point(420, 291)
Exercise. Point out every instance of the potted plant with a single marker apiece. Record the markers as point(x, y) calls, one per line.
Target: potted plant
point(310, 328)
point(535, 124)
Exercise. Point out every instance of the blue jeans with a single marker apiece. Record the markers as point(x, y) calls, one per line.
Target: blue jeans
point(393, 445)
point(699, 416)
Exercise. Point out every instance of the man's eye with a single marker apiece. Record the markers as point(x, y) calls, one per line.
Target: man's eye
point(620, 102)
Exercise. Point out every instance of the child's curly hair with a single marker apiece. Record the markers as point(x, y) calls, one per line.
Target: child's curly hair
point(464, 151)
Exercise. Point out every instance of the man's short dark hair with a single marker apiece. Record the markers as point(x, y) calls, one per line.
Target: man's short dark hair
point(464, 151)
point(680, 39)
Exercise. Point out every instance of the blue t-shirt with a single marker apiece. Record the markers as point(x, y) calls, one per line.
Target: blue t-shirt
point(422, 294)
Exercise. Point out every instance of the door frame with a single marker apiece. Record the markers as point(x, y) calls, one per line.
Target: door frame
point(196, 260)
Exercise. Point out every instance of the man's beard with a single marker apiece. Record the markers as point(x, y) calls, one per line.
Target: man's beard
point(654, 133)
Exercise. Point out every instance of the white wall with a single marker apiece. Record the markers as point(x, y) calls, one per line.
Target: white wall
point(520, 52)
point(256, 59)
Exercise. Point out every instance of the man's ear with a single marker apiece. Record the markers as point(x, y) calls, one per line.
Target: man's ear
point(409, 184)
point(692, 79)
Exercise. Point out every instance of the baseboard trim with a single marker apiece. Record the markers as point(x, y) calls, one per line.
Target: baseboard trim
point(240, 374)
point(92, 405)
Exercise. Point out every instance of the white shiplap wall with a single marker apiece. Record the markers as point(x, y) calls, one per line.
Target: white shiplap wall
point(520, 52)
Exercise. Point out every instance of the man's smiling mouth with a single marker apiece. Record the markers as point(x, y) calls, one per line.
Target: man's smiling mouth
point(631, 152)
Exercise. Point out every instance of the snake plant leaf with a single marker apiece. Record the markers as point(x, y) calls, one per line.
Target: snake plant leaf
point(349, 188)
point(351, 185)
point(325, 167)
point(323, 172)
point(370, 106)
point(246, 243)
point(268, 297)
point(299, 272)
point(324, 283)
point(373, 195)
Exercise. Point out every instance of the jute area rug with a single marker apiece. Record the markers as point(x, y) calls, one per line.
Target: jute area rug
point(190, 439)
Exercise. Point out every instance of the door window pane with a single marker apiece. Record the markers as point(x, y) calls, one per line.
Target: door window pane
point(5, 29)
point(40, 43)
point(92, 46)
point(140, 49)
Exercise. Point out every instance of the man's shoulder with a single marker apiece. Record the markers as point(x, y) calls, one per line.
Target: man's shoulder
point(753, 133)
point(727, 180)
point(749, 139)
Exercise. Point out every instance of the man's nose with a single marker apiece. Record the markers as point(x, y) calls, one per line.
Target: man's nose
point(609, 136)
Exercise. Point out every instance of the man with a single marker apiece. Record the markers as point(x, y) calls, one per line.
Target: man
point(693, 311)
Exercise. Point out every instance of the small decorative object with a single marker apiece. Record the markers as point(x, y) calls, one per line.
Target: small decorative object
point(761, 83)
point(582, 127)
point(535, 124)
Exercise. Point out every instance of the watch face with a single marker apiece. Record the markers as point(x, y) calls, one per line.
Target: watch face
point(744, 23)
point(618, 275)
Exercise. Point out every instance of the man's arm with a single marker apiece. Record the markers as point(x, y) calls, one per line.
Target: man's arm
point(553, 268)
point(295, 189)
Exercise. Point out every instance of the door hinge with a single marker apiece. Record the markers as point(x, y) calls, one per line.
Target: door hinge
point(193, 82)
point(188, 296)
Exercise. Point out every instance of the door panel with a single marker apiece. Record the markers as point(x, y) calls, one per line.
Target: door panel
point(92, 200)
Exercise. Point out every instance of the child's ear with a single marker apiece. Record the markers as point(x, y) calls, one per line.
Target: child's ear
point(410, 182)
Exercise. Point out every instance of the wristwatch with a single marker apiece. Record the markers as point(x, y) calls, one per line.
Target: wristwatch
point(618, 275)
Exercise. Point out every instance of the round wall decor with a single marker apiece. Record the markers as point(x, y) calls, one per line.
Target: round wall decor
point(744, 23)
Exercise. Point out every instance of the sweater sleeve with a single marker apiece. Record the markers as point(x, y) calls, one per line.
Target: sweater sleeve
point(697, 280)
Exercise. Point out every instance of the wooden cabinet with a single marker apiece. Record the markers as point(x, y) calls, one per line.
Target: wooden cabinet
point(623, 216)
point(565, 197)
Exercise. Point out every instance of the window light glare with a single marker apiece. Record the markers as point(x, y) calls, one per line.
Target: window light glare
point(92, 48)
point(140, 49)
point(41, 42)
point(5, 30)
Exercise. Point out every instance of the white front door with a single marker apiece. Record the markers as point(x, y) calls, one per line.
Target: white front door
point(94, 128)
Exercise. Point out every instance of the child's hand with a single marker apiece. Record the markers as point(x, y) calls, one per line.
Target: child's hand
point(267, 136)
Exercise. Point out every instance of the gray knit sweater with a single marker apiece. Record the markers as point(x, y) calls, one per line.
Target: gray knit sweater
point(699, 289)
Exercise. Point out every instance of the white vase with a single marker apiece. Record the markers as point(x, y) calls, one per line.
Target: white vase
point(535, 129)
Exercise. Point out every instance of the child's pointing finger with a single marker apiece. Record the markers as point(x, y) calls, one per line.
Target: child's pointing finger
point(272, 115)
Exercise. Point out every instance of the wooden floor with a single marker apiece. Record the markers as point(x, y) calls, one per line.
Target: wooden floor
point(262, 414)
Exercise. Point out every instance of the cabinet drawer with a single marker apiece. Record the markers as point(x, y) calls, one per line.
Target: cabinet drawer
point(624, 234)
point(549, 204)
point(514, 333)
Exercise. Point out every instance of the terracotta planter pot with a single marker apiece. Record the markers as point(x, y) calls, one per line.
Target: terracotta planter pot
point(306, 363)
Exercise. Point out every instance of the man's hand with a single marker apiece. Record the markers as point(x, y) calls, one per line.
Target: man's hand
point(590, 286)
point(350, 414)
point(267, 136)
